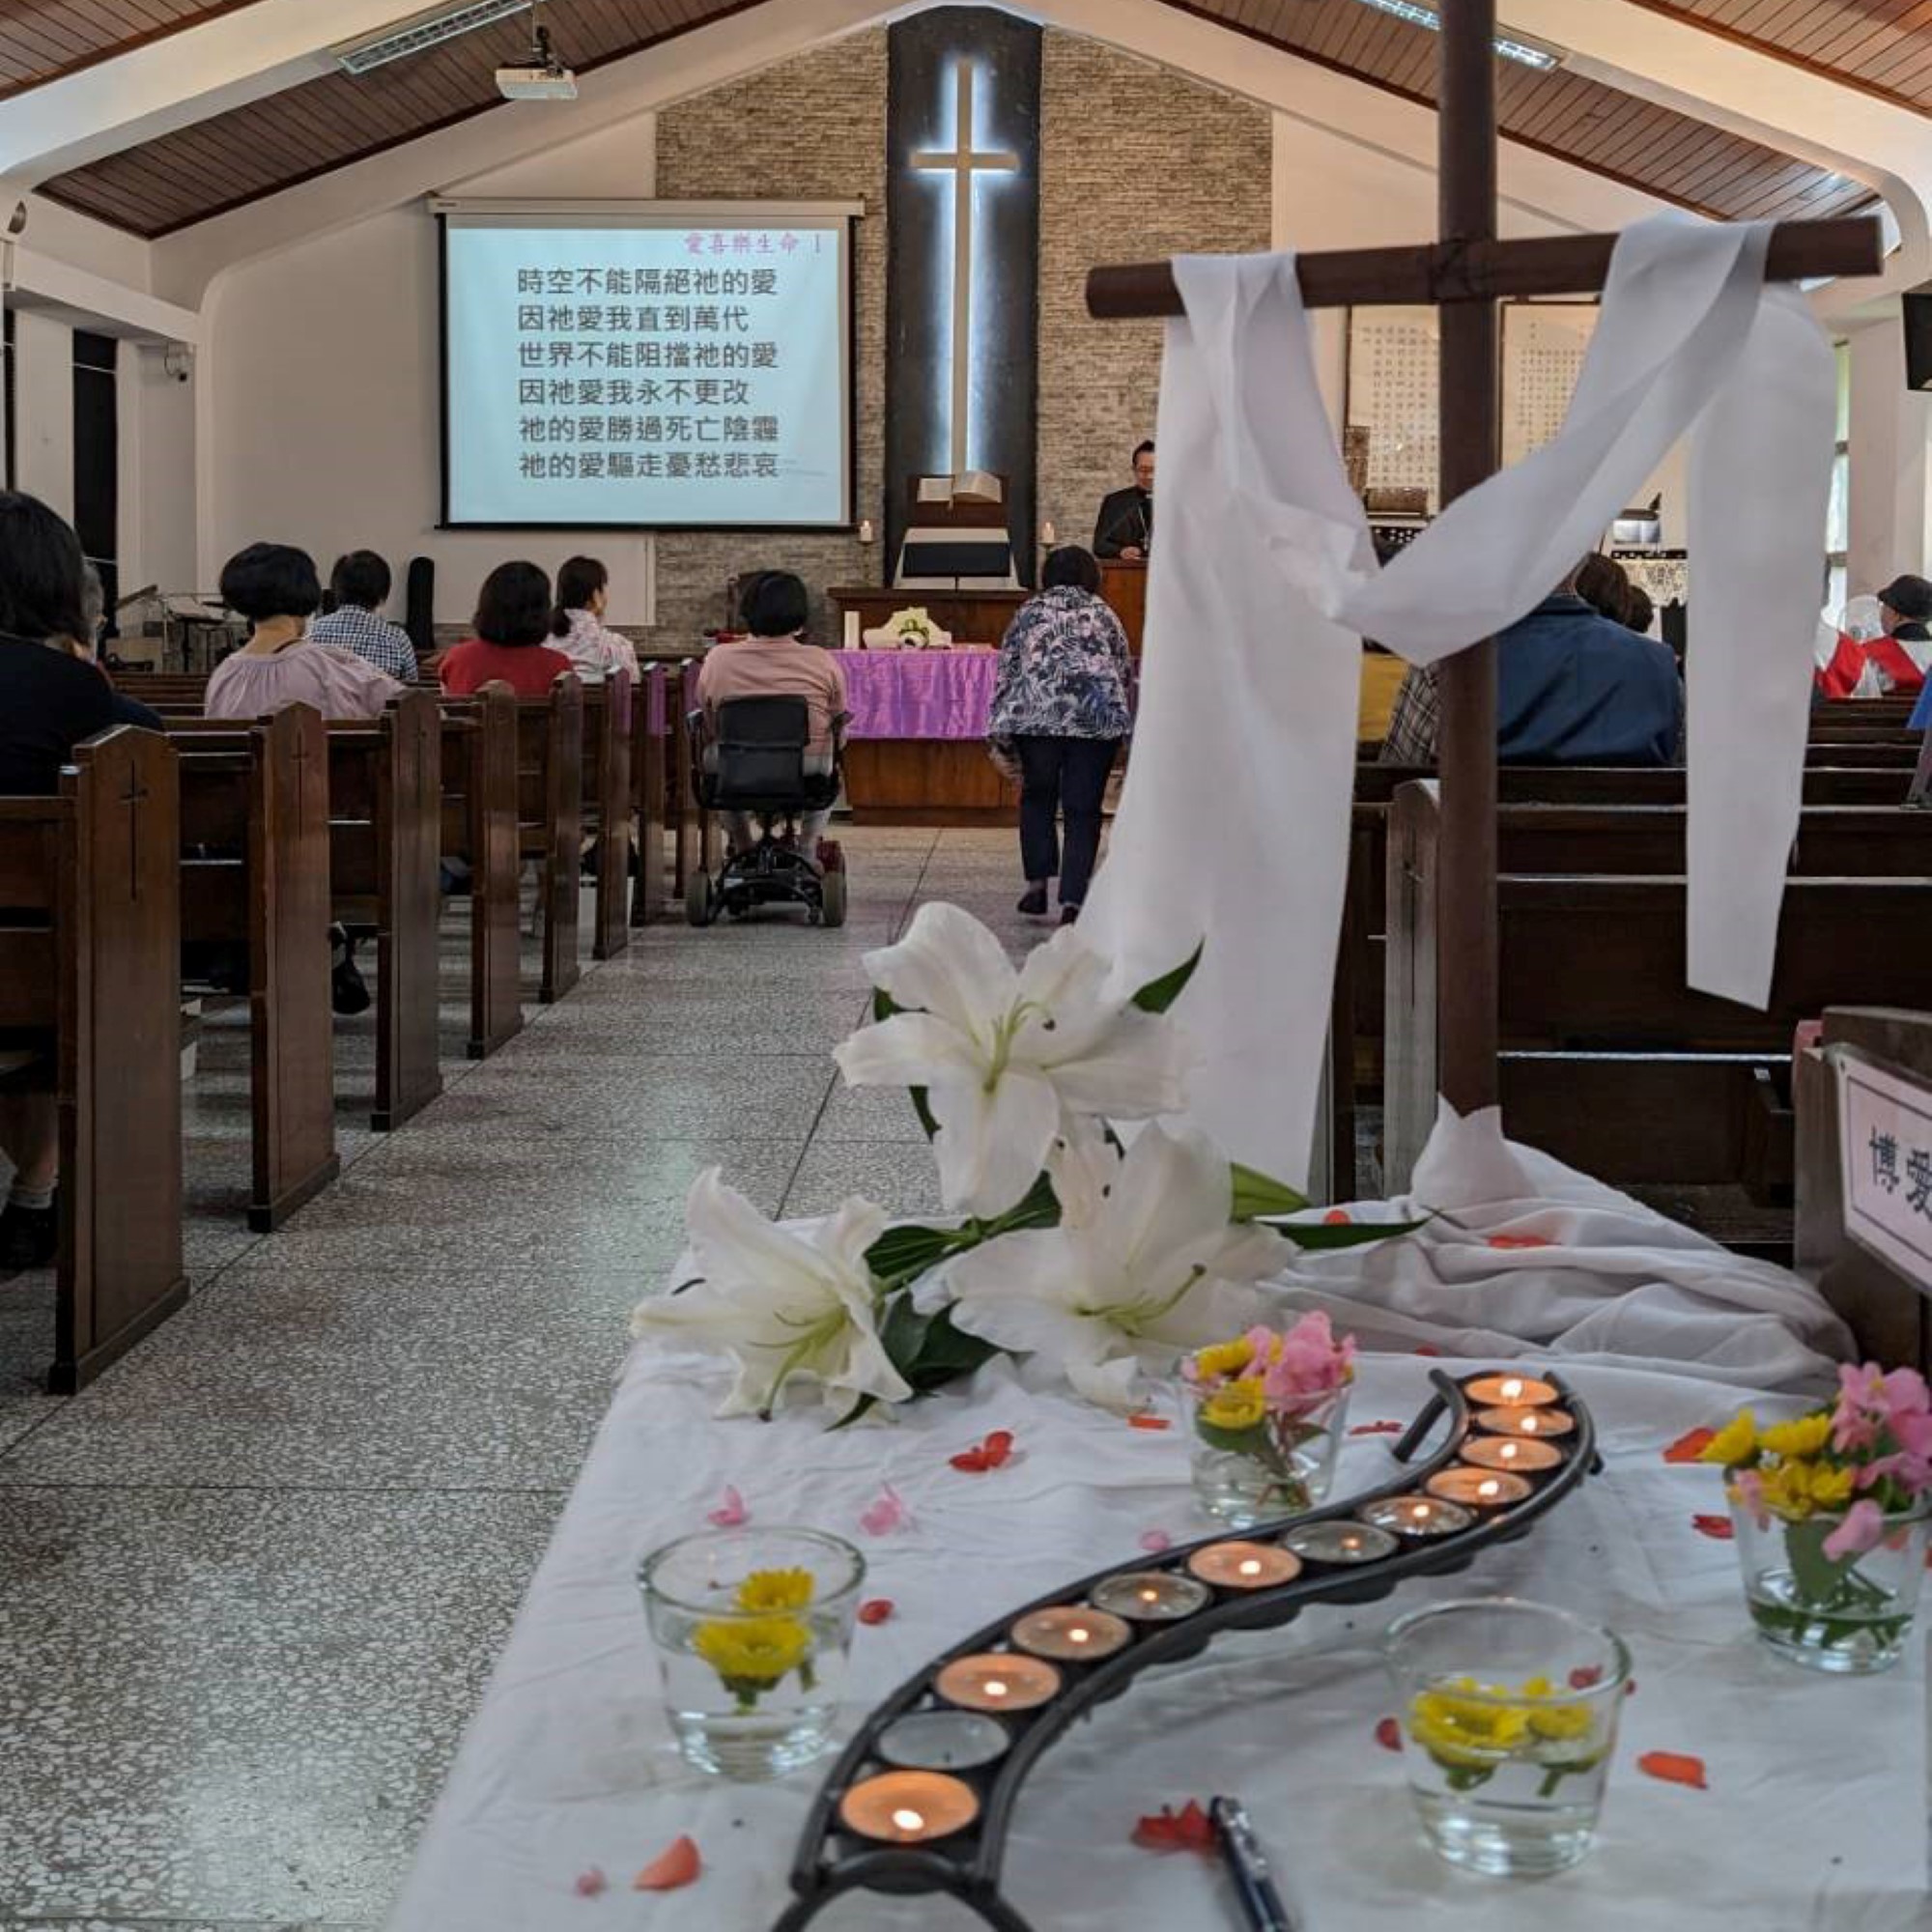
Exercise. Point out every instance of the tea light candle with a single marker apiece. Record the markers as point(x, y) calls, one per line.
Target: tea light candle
point(1509, 1392)
point(1525, 1421)
point(1417, 1515)
point(1048, 535)
point(1077, 1635)
point(1340, 1542)
point(943, 1741)
point(1244, 1566)
point(1478, 1488)
point(1511, 1452)
point(866, 532)
point(908, 1807)
point(998, 1683)
point(1151, 1596)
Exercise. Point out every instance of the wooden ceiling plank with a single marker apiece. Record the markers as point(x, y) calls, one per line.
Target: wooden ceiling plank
point(67, 46)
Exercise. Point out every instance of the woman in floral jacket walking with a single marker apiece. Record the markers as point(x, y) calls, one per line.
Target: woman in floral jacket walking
point(1060, 707)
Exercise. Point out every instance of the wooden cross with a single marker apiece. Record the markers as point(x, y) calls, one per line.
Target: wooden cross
point(134, 798)
point(1464, 274)
point(964, 163)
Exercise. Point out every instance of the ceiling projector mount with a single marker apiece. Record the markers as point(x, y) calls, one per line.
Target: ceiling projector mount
point(544, 77)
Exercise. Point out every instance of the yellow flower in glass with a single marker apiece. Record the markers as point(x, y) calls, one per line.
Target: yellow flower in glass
point(1735, 1444)
point(776, 1590)
point(1224, 1358)
point(1241, 1406)
point(1472, 1730)
point(1802, 1439)
point(751, 1655)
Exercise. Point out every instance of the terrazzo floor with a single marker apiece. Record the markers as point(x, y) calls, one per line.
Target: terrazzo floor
point(252, 1581)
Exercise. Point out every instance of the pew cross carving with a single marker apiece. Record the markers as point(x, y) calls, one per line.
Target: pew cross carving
point(134, 798)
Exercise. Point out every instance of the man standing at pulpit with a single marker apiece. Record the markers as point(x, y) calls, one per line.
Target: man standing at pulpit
point(1124, 527)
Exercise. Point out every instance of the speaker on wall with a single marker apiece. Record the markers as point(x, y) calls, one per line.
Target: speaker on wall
point(419, 621)
point(1918, 338)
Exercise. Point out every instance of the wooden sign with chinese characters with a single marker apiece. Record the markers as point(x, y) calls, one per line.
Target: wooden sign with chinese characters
point(1863, 1093)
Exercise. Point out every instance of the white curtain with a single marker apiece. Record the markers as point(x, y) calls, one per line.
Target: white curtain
point(1234, 823)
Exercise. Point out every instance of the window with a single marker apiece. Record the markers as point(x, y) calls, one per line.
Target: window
point(1838, 522)
point(97, 458)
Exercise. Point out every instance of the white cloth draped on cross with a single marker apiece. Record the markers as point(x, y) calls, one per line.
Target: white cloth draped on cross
point(1234, 823)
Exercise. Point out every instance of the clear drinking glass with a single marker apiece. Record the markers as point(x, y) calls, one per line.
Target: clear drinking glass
point(1509, 1713)
point(753, 1629)
point(1280, 1464)
point(1851, 1614)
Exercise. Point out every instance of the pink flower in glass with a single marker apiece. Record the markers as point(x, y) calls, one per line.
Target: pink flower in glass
point(1862, 1527)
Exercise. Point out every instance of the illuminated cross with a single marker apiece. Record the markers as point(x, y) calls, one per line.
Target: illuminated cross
point(963, 162)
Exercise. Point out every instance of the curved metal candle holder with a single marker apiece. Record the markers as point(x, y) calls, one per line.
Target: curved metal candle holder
point(833, 1860)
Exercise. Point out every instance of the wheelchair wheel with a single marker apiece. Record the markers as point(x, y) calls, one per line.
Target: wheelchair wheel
point(833, 899)
point(698, 909)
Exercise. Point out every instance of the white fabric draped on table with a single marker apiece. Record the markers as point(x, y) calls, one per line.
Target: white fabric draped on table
point(1234, 823)
point(1814, 1821)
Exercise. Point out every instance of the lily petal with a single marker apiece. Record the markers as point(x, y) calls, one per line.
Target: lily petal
point(948, 964)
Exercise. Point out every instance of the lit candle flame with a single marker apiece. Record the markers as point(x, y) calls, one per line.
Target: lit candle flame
point(1352, 1542)
point(1419, 1513)
point(1529, 1425)
point(1251, 1568)
point(1488, 1488)
point(1512, 1388)
point(1079, 1634)
point(909, 1821)
point(995, 1686)
point(1510, 1451)
point(1150, 1596)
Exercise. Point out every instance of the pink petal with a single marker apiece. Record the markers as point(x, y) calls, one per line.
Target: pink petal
point(1863, 1525)
point(1155, 1541)
point(886, 1514)
point(732, 1513)
point(590, 1884)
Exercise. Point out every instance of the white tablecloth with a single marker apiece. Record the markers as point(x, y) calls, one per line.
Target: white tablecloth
point(1815, 1817)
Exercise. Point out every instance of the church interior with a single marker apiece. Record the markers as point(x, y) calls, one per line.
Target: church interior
point(872, 874)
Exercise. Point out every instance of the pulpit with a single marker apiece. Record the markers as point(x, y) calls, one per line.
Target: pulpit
point(1124, 585)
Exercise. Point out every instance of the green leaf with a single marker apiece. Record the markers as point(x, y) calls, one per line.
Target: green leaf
point(1257, 1194)
point(927, 1349)
point(884, 1006)
point(1040, 1209)
point(859, 1410)
point(1252, 1441)
point(1320, 1237)
point(1157, 994)
point(920, 1107)
point(1819, 1580)
point(900, 1253)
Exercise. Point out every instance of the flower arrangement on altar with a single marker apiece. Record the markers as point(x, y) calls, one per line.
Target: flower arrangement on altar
point(1268, 1410)
point(909, 630)
point(1830, 1512)
point(1094, 1258)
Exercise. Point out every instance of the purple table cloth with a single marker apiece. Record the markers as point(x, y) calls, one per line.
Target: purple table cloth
point(919, 693)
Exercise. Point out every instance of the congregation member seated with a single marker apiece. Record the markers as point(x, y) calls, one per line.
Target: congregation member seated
point(1571, 689)
point(1605, 585)
point(52, 699)
point(1904, 653)
point(577, 627)
point(276, 588)
point(360, 584)
point(772, 659)
point(512, 622)
point(1642, 612)
point(87, 648)
point(1060, 709)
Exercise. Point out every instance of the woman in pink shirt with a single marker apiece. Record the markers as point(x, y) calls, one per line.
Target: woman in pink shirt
point(276, 588)
point(513, 613)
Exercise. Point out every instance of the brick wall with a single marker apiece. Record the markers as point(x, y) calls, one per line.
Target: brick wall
point(1139, 163)
point(809, 129)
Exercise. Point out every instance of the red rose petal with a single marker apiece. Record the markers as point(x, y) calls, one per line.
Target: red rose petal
point(1188, 1829)
point(1630, 1686)
point(1377, 1429)
point(590, 1884)
point(1586, 1678)
point(1429, 1348)
point(1336, 1217)
point(1690, 1447)
point(1143, 1420)
point(1674, 1768)
point(991, 1453)
point(671, 1869)
point(1718, 1529)
point(1388, 1734)
point(876, 1610)
point(1509, 1242)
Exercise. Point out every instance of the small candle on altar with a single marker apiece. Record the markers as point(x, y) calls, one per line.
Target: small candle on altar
point(866, 532)
point(1417, 1515)
point(1509, 1392)
point(1048, 535)
point(943, 1741)
point(1151, 1596)
point(1244, 1566)
point(1478, 1488)
point(1511, 1452)
point(998, 1682)
point(1524, 1421)
point(1339, 1541)
point(908, 1807)
point(1076, 1635)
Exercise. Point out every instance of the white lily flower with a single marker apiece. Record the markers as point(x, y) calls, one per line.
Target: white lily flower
point(1008, 1059)
point(782, 1304)
point(1158, 1266)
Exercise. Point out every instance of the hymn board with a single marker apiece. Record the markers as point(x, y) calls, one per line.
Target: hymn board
point(1464, 274)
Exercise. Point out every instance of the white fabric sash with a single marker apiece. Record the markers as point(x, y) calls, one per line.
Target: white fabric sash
point(1234, 820)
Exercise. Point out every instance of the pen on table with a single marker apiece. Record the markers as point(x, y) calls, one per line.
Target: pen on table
point(1260, 1902)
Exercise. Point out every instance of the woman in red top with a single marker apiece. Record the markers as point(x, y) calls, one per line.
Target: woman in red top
point(512, 620)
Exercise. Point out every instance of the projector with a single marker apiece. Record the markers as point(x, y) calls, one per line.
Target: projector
point(551, 81)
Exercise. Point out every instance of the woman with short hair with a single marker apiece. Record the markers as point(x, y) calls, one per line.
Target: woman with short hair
point(1061, 704)
point(576, 626)
point(276, 588)
point(512, 622)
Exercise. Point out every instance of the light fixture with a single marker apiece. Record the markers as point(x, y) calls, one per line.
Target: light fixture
point(423, 30)
point(1525, 53)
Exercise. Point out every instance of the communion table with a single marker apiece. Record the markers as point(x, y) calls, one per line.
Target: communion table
point(1815, 1811)
point(916, 748)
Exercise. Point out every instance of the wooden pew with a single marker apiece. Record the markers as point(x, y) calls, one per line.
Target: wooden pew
point(550, 820)
point(650, 777)
point(608, 736)
point(254, 844)
point(700, 839)
point(88, 965)
point(480, 828)
point(385, 846)
point(1609, 1063)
